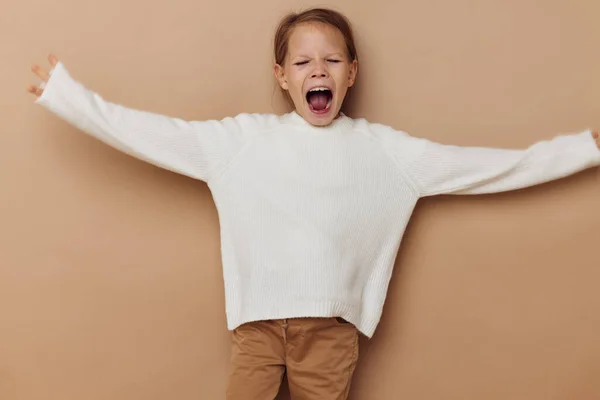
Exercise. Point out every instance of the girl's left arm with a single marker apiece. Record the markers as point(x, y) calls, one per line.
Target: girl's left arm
point(445, 169)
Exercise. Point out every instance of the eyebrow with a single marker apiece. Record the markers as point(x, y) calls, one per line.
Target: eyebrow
point(327, 56)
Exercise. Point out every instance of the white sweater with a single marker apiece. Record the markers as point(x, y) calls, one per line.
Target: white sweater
point(311, 217)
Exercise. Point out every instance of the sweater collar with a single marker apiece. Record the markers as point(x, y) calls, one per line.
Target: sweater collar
point(343, 122)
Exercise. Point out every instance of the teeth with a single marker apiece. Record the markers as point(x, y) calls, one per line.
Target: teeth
point(319, 89)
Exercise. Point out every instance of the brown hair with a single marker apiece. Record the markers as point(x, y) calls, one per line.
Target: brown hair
point(321, 15)
point(313, 15)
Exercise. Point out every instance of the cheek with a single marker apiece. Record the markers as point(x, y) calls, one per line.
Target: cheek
point(295, 85)
point(342, 77)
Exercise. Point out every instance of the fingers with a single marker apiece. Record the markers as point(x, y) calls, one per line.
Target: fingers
point(43, 74)
point(35, 90)
point(53, 60)
point(39, 71)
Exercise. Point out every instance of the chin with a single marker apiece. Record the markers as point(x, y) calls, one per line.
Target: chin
point(320, 118)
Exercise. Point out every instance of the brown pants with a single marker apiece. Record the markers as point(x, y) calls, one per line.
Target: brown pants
point(317, 354)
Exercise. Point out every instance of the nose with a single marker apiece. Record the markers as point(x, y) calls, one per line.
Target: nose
point(320, 71)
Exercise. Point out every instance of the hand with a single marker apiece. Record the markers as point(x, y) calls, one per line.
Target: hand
point(38, 90)
point(596, 136)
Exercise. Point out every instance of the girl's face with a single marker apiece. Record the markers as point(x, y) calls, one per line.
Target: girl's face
point(316, 72)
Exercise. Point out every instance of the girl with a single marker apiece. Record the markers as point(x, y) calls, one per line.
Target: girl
point(312, 204)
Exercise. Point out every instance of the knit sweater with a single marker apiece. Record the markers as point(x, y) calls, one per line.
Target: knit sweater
point(311, 218)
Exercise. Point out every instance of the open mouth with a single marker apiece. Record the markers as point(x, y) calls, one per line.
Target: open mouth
point(319, 99)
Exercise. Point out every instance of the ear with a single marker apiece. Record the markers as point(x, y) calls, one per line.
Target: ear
point(353, 73)
point(279, 72)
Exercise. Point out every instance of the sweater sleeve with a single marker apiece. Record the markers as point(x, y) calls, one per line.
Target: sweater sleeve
point(193, 148)
point(445, 169)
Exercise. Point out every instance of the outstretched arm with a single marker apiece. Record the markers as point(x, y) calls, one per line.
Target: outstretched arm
point(445, 169)
point(196, 149)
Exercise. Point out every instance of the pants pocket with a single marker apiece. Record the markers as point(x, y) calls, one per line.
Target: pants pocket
point(340, 321)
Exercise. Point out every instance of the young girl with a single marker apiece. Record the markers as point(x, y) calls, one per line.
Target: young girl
point(312, 204)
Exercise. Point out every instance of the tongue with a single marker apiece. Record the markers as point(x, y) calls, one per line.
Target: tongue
point(319, 100)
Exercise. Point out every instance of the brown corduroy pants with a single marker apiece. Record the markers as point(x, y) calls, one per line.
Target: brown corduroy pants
point(318, 355)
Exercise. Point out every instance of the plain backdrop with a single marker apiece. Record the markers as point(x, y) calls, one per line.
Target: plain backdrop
point(110, 274)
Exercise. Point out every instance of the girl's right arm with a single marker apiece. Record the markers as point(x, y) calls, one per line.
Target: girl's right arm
point(197, 149)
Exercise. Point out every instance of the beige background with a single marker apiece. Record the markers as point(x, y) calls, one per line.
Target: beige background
point(110, 279)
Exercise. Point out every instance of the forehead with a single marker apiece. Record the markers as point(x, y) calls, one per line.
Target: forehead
point(313, 36)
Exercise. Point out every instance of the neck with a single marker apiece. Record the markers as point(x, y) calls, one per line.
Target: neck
point(341, 121)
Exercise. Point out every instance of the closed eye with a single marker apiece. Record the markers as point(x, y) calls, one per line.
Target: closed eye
point(334, 61)
point(301, 63)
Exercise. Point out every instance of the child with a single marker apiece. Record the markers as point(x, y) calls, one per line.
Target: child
point(312, 204)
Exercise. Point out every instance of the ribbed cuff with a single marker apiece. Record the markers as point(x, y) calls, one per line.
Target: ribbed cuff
point(58, 82)
point(589, 148)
